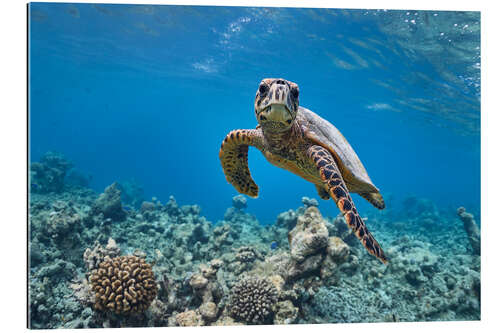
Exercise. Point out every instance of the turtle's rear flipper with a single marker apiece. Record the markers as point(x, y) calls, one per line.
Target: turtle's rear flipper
point(233, 155)
point(335, 185)
point(374, 198)
point(323, 194)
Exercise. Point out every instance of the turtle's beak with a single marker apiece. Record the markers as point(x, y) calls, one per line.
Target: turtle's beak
point(277, 113)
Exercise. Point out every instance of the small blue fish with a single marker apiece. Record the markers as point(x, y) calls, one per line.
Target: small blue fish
point(127, 208)
point(274, 245)
point(34, 185)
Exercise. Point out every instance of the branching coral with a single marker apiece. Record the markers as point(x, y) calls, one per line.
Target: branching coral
point(252, 300)
point(123, 285)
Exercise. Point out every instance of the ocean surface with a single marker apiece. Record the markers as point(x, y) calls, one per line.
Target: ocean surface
point(148, 93)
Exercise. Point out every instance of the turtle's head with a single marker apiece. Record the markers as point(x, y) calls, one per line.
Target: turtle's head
point(276, 104)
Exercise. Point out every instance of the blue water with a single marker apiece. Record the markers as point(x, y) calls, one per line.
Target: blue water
point(149, 92)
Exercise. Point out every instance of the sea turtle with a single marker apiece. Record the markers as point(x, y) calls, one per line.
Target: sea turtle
point(296, 139)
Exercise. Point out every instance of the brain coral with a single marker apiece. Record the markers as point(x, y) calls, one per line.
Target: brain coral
point(123, 285)
point(252, 300)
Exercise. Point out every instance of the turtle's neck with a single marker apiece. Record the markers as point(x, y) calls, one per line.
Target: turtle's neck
point(281, 141)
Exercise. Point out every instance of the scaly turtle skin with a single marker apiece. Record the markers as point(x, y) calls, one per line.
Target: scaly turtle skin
point(296, 139)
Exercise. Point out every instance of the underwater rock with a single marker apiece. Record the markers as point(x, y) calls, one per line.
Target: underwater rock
point(62, 220)
point(337, 253)
point(252, 300)
point(208, 311)
point(131, 193)
point(415, 263)
point(82, 291)
point(281, 266)
point(56, 270)
point(123, 285)
point(77, 178)
point(51, 301)
point(109, 203)
point(147, 206)
point(310, 202)
point(309, 236)
point(207, 294)
point(191, 228)
point(239, 202)
point(287, 219)
point(206, 288)
point(246, 254)
point(244, 259)
point(158, 311)
point(286, 313)
point(112, 249)
point(471, 229)
point(198, 282)
point(278, 281)
point(93, 257)
point(191, 210)
point(49, 174)
point(149, 212)
point(309, 266)
point(189, 318)
point(171, 207)
point(223, 235)
point(276, 264)
point(337, 249)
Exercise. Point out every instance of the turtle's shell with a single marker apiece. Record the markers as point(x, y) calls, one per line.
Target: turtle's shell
point(323, 133)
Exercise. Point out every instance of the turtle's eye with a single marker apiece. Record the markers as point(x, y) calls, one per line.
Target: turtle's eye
point(295, 92)
point(263, 88)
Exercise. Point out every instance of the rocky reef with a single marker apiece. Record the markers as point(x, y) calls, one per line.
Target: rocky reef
point(471, 229)
point(94, 263)
point(48, 175)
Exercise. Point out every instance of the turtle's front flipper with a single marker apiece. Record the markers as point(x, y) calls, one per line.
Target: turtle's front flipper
point(335, 185)
point(233, 155)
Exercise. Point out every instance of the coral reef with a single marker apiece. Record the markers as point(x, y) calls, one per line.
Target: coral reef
point(309, 236)
point(48, 175)
point(109, 203)
point(123, 285)
point(414, 206)
point(132, 193)
point(78, 179)
point(189, 318)
point(95, 256)
point(252, 300)
point(471, 229)
point(316, 271)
